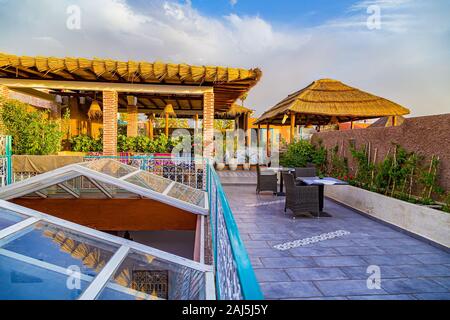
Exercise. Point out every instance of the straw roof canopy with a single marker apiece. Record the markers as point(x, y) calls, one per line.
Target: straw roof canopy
point(329, 101)
point(234, 111)
point(229, 83)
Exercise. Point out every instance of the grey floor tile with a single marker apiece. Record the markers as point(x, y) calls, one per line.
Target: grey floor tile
point(267, 253)
point(359, 251)
point(313, 252)
point(339, 261)
point(390, 260)
point(346, 287)
point(411, 286)
point(304, 274)
point(288, 262)
point(285, 290)
point(387, 272)
point(433, 270)
point(443, 281)
point(433, 296)
point(383, 297)
point(433, 258)
point(271, 275)
point(256, 244)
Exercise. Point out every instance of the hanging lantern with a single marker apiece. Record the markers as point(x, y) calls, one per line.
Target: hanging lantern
point(168, 111)
point(95, 112)
point(284, 119)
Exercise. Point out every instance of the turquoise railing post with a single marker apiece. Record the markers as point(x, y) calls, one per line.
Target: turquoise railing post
point(249, 286)
point(8, 151)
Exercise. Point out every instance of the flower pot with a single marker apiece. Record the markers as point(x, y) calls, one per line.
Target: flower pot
point(233, 164)
point(220, 166)
point(246, 166)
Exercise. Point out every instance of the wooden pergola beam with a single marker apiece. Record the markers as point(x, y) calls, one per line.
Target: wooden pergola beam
point(104, 86)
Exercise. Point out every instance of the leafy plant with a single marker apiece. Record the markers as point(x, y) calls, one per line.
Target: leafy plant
point(298, 154)
point(85, 143)
point(32, 131)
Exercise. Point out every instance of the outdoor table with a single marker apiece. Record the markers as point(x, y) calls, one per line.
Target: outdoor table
point(316, 181)
point(281, 170)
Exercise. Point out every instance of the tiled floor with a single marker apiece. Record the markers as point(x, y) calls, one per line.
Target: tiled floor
point(335, 268)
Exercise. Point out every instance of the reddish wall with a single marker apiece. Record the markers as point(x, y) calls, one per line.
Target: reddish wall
point(425, 135)
point(115, 214)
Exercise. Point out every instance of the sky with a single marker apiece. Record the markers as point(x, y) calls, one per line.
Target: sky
point(397, 49)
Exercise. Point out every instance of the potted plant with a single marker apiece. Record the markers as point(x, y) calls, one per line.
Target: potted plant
point(233, 164)
point(246, 164)
point(220, 166)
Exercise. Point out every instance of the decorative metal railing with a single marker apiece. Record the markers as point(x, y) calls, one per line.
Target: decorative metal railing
point(235, 278)
point(183, 170)
point(5, 160)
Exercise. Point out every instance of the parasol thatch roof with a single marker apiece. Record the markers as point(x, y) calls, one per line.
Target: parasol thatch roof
point(234, 111)
point(229, 83)
point(329, 101)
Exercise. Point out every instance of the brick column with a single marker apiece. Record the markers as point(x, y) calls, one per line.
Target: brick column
point(4, 92)
point(132, 119)
point(110, 109)
point(208, 124)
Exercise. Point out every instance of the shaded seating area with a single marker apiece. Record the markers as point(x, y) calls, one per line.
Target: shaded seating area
point(300, 198)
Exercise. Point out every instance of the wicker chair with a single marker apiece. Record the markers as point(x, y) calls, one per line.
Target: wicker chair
point(300, 198)
point(306, 172)
point(266, 182)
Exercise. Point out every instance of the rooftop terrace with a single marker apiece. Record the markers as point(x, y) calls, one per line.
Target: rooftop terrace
point(333, 268)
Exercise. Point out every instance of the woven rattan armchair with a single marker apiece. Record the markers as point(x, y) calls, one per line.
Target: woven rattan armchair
point(305, 172)
point(300, 199)
point(266, 182)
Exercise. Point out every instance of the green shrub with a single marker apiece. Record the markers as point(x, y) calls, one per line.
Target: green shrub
point(301, 153)
point(85, 143)
point(33, 133)
point(143, 144)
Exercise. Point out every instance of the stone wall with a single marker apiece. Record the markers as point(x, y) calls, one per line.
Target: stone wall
point(428, 136)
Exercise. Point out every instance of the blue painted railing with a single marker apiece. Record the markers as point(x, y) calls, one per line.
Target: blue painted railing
point(235, 278)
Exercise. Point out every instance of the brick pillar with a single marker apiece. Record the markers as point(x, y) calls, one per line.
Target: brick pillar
point(132, 119)
point(208, 124)
point(110, 109)
point(4, 92)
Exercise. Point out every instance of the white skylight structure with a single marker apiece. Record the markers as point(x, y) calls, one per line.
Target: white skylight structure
point(44, 257)
point(111, 178)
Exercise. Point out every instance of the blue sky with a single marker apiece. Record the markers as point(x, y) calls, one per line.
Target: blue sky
point(289, 12)
point(293, 42)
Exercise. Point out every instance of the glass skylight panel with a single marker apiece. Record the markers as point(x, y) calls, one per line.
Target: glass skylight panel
point(150, 181)
point(21, 279)
point(37, 262)
point(62, 247)
point(145, 277)
point(188, 194)
point(110, 167)
point(8, 218)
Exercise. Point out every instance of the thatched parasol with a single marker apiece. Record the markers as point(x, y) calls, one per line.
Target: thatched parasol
point(329, 101)
point(234, 111)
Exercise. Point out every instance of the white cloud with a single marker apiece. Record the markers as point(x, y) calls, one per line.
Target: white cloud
point(397, 62)
point(233, 2)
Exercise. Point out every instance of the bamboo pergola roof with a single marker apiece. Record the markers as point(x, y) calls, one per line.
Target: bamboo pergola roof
point(329, 101)
point(229, 84)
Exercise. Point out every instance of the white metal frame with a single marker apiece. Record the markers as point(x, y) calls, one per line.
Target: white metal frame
point(101, 280)
point(57, 176)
